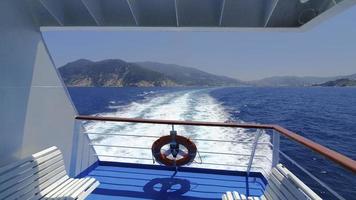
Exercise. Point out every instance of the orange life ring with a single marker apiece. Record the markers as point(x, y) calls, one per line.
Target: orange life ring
point(163, 159)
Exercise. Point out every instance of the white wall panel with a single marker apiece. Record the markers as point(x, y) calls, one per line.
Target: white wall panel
point(18, 45)
point(35, 111)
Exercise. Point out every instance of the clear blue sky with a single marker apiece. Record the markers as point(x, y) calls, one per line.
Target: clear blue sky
point(326, 50)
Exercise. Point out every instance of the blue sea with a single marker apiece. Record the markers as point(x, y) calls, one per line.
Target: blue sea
point(324, 115)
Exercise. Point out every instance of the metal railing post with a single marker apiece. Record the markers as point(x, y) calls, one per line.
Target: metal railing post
point(75, 147)
point(250, 162)
point(253, 152)
point(275, 142)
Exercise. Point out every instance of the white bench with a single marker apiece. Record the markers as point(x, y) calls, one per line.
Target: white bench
point(42, 176)
point(282, 184)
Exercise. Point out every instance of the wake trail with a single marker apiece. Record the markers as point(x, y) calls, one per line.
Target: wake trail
point(195, 105)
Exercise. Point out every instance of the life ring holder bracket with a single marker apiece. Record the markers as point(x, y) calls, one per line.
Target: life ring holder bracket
point(174, 141)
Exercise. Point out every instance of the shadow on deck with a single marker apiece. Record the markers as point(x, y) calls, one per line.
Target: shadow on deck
point(137, 181)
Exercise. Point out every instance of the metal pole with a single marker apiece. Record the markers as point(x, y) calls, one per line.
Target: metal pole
point(275, 142)
point(255, 143)
point(75, 146)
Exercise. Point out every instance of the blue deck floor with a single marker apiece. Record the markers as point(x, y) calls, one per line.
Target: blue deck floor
point(153, 182)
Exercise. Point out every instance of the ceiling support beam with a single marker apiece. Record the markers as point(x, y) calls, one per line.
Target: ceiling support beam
point(54, 10)
point(275, 3)
point(176, 10)
point(222, 12)
point(132, 12)
point(94, 10)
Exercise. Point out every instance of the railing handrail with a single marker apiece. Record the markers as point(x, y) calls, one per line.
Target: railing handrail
point(174, 122)
point(334, 156)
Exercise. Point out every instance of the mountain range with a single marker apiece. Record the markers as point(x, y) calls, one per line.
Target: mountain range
point(119, 73)
point(296, 81)
point(344, 82)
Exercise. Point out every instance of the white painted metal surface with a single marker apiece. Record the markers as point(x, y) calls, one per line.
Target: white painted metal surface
point(42, 175)
point(36, 111)
point(276, 142)
point(182, 13)
point(282, 184)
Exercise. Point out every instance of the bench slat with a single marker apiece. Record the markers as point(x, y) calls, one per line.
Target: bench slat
point(88, 191)
point(51, 177)
point(83, 188)
point(18, 187)
point(21, 169)
point(32, 178)
point(297, 194)
point(11, 166)
point(34, 183)
point(276, 187)
point(243, 197)
point(59, 189)
point(47, 157)
point(49, 162)
point(17, 178)
point(44, 152)
point(229, 196)
point(36, 171)
point(42, 176)
point(282, 187)
point(65, 189)
point(37, 193)
point(270, 194)
point(267, 195)
point(74, 188)
point(236, 195)
point(28, 164)
point(53, 186)
point(16, 171)
point(224, 197)
point(304, 188)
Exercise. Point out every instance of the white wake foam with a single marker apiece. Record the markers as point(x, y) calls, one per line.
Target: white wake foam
point(183, 105)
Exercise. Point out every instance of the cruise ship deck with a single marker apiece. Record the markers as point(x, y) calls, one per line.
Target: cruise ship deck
point(47, 153)
point(138, 181)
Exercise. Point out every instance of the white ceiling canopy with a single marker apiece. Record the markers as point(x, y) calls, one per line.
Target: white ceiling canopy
point(184, 13)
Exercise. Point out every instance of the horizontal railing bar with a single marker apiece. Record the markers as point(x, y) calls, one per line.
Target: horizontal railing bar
point(140, 158)
point(152, 136)
point(312, 176)
point(336, 157)
point(129, 135)
point(222, 164)
point(231, 154)
point(147, 148)
point(229, 165)
point(126, 157)
point(175, 122)
point(118, 146)
point(199, 139)
point(228, 141)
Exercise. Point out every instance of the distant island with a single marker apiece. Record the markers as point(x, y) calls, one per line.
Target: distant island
point(119, 73)
point(338, 83)
point(296, 81)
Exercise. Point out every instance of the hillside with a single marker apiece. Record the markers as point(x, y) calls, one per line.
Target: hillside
point(110, 73)
point(189, 76)
point(338, 83)
point(295, 81)
point(118, 73)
